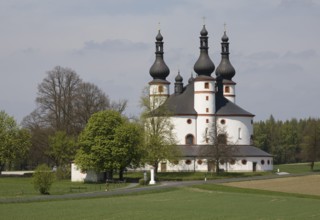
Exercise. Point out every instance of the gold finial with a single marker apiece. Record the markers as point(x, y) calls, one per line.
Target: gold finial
point(225, 26)
point(204, 20)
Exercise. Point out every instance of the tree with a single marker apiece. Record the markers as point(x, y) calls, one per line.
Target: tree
point(14, 142)
point(159, 139)
point(65, 103)
point(43, 178)
point(62, 148)
point(219, 147)
point(109, 142)
point(311, 142)
point(128, 150)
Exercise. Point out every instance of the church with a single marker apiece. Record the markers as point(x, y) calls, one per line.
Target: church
point(206, 101)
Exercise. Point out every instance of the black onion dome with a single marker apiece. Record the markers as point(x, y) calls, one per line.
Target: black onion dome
point(204, 65)
point(159, 36)
point(225, 68)
point(179, 77)
point(225, 38)
point(204, 31)
point(159, 69)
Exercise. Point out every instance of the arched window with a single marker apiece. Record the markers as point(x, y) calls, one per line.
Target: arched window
point(189, 139)
point(227, 89)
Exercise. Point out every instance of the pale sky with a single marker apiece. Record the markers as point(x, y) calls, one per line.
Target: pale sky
point(274, 47)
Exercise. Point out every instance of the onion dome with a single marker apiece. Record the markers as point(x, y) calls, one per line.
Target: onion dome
point(179, 77)
point(178, 85)
point(204, 65)
point(159, 69)
point(225, 69)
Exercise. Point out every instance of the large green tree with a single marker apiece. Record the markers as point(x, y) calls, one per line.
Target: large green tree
point(109, 142)
point(14, 142)
point(62, 148)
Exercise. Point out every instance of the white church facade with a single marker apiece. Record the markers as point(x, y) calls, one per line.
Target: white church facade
point(206, 101)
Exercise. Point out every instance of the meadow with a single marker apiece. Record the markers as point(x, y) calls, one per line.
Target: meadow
point(206, 201)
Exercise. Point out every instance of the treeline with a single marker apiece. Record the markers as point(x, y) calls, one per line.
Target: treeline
point(289, 141)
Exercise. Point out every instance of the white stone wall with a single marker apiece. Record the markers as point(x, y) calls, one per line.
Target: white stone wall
point(239, 129)
point(231, 95)
point(89, 176)
point(157, 98)
point(239, 166)
point(182, 128)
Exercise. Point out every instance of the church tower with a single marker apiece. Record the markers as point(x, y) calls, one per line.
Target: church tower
point(159, 86)
point(226, 71)
point(204, 89)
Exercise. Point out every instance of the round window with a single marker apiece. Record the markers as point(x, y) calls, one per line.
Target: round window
point(175, 162)
point(232, 161)
point(262, 162)
point(244, 162)
point(189, 121)
point(199, 162)
point(268, 162)
point(188, 162)
point(221, 162)
point(222, 121)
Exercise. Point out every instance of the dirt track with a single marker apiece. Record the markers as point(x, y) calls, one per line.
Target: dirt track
point(303, 184)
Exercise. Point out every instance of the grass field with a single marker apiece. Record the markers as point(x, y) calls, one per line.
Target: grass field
point(201, 202)
point(302, 185)
point(13, 187)
point(297, 167)
point(207, 201)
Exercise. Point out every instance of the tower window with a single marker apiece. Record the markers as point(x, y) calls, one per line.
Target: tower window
point(227, 89)
point(206, 85)
point(239, 133)
point(207, 120)
point(207, 98)
point(160, 89)
point(189, 139)
point(207, 109)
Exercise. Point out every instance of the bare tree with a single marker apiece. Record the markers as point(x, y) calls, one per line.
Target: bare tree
point(90, 99)
point(119, 105)
point(160, 141)
point(220, 148)
point(56, 96)
point(64, 103)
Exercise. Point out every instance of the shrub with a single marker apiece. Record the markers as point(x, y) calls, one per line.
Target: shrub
point(142, 182)
point(43, 178)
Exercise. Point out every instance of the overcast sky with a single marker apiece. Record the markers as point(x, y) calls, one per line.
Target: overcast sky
point(274, 47)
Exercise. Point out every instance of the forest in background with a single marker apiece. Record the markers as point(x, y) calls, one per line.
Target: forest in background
point(290, 141)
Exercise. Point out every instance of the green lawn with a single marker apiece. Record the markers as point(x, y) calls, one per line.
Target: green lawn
point(22, 187)
point(297, 167)
point(209, 202)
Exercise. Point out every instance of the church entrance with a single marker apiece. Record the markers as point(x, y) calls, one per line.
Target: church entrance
point(211, 166)
point(254, 166)
point(163, 167)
